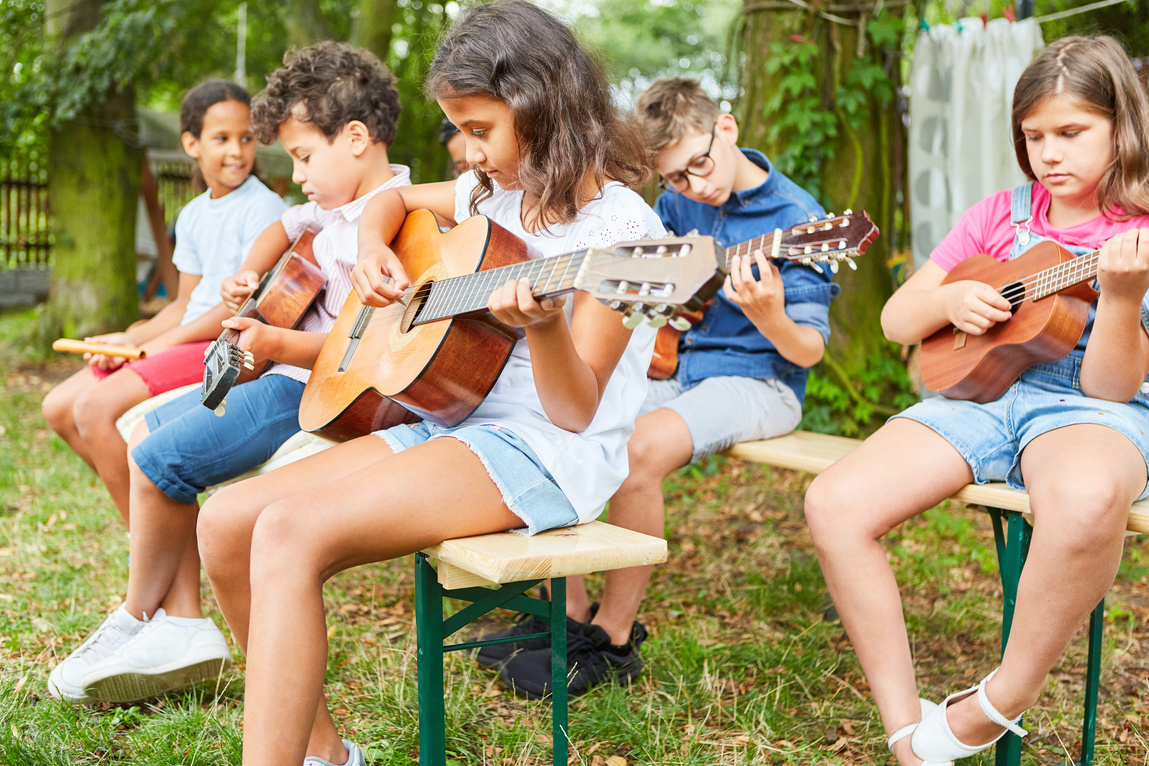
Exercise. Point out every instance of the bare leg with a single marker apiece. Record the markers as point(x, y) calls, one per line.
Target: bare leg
point(58, 407)
point(95, 413)
point(301, 540)
point(849, 508)
point(163, 569)
point(1082, 481)
point(661, 444)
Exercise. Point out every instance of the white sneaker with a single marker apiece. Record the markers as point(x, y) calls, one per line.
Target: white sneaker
point(65, 680)
point(354, 757)
point(161, 657)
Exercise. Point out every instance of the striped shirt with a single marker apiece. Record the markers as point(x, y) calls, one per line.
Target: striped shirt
point(335, 247)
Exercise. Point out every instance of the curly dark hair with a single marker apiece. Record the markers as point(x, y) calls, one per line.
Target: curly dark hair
point(329, 85)
point(203, 97)
point(558, 95)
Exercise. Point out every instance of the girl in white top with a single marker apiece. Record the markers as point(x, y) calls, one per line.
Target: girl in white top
point(551, 160)
point(213, 235)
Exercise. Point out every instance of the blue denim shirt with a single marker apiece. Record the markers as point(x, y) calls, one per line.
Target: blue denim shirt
point(725, 342)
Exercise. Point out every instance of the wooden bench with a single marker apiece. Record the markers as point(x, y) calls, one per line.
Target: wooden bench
point(489, 571)
point(495, 571)
point(1009, 510)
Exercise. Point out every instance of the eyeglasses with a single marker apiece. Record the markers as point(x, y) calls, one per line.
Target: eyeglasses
point(700, 167)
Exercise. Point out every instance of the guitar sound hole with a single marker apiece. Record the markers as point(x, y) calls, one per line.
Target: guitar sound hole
point(414, 307)
point(1015, 294)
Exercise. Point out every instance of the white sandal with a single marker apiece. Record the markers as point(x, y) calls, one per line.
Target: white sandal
point(906, 731)
point(934, 740)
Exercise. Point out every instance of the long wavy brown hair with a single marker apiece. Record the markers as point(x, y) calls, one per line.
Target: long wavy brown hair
point(558, 95)
point(1097, 74)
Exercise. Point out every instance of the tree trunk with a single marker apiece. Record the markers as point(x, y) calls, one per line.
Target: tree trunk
point(93, 185)
point(860, 172)
point(372, 28)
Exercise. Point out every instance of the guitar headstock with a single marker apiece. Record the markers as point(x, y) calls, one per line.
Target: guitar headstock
point(829, 240)
point(654, 278)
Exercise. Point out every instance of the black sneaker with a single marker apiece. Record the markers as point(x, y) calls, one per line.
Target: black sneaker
point(495, 655)
point(591, 660)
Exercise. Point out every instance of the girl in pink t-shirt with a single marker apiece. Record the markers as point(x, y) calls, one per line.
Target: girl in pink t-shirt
point(1071, 432)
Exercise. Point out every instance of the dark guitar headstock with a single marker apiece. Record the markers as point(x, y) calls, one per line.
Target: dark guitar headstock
point(222, 366)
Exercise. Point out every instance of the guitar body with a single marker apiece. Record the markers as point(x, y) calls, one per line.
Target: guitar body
point(665, 359)
point(980, 368)
point(282, 298)
point(440, 370)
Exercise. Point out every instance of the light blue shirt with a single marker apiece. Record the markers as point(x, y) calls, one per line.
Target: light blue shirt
point(214, 235)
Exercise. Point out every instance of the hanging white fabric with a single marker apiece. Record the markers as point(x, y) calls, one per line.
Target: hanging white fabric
point(961, 86)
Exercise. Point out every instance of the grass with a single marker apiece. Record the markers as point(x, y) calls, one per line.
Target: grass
point(742, 666)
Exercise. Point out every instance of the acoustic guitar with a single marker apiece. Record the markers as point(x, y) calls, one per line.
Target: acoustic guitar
point(437, 354)
point(281, 299)
point(1049, 293)
point(827, 240)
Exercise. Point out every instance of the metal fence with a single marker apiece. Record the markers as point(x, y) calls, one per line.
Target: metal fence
point(25, 240)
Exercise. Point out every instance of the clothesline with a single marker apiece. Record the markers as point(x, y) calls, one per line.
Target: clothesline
point(1075, 11)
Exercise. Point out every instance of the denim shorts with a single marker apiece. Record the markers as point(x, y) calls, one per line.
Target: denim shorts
point(990, 437)
point(724, 410)
point(527, 487)
point(190, 448)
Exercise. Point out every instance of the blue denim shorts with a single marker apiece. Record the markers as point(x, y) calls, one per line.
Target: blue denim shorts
point(527, 487)
point(724, 410)
point(190, 448)
point(1046, 397)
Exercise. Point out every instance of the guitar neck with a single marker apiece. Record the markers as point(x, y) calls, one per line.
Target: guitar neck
point(469, 293)
point(1054, 279)
point(765, 243)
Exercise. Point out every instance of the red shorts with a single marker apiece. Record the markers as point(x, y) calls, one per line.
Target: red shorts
point(171, 368)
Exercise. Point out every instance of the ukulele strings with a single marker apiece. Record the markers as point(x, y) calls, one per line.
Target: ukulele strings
point(1053, 279)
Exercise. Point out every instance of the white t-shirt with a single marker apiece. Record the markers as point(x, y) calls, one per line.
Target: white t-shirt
point(588, 466)
point(335, 247)
point(214, 235)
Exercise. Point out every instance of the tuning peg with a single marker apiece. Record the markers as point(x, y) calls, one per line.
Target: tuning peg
point(847, 211)
point(850, 262)
point(682, 324)
point(813, 219)
point(814, 265)
point(219, 410)
point(249, 360)
point(656, 320)
point(616, 305)
point(833, 267)
point(632, 320)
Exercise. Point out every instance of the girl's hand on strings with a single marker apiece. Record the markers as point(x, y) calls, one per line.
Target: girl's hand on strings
point(514, 305)
point(378, 277)
point(1123, 266)
point(973, 307)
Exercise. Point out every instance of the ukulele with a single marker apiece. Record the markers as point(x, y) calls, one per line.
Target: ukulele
point(826, 240)
point(437, 353)
point(282, 297)
point(1049, 295)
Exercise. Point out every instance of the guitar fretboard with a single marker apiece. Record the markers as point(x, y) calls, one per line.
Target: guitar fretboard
point(1054, 279)
point(765, 243)
point(468, 293)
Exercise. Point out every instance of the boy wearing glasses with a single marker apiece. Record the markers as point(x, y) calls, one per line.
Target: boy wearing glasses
point(741, 370)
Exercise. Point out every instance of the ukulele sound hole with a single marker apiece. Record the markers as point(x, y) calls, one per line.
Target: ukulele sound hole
point(1015, 294)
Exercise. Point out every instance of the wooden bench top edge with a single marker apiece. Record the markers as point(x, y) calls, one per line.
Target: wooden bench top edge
point(583, 549)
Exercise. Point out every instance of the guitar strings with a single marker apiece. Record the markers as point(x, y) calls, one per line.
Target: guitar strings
point(1052, 279)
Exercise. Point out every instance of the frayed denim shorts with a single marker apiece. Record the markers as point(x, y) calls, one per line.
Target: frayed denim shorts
point(526, 486)
point(991, 436)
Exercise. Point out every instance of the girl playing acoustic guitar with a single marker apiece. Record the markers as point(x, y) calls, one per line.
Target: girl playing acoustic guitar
point(1072, 432)
point(545, 449)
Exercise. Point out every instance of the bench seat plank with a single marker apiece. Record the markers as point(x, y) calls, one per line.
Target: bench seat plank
point(505, 558)
point(814, 453)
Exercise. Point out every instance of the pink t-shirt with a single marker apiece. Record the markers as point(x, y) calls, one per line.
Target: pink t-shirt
point(986, 228)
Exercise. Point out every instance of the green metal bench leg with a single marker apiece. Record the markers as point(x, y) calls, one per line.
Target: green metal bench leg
point(1092, 683)
point(1012, 549)
point(429, 663)
point(558, 619)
